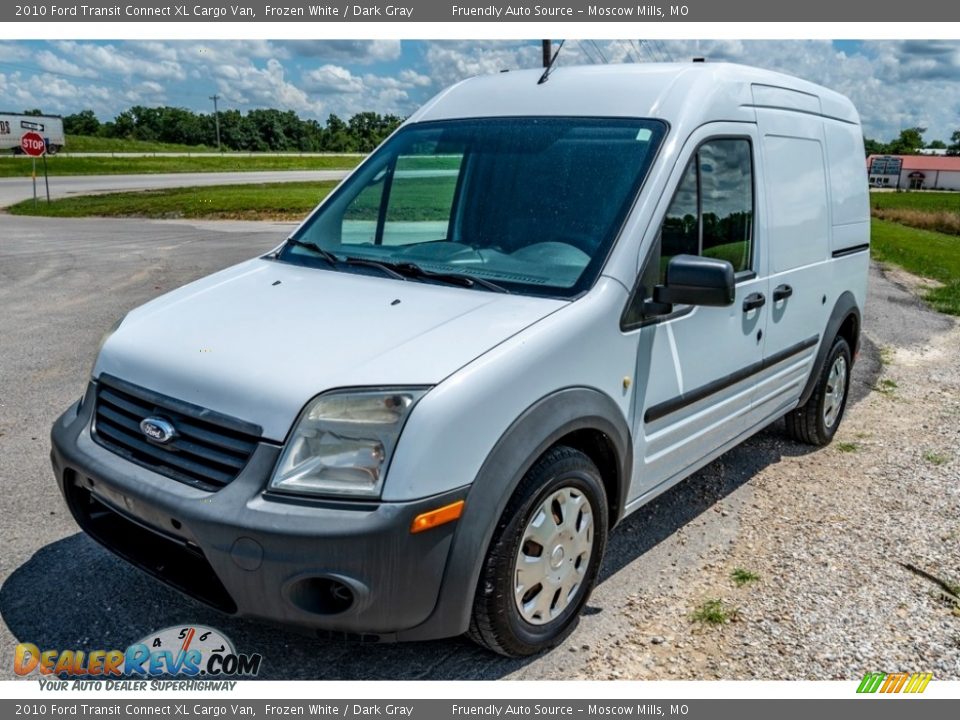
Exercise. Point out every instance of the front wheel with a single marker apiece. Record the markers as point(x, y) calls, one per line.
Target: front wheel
point(816, 421)
point(544, 558)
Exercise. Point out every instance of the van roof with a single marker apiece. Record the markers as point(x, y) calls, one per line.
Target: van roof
point(679, 93)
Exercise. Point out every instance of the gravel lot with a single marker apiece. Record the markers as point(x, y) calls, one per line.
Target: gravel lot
point(826, 532)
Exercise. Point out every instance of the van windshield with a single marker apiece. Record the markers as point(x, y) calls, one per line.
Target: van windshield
point(529, 205)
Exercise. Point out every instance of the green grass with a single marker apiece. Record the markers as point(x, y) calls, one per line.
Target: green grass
point(935, 211)
point(274, 201)
point(714, 612)
point(886, 386)
point(20, 166)
point(929, 201)
point(741, 577)
point(411, 199)
point(935, 458)
point(847, 447)
point(925, 253)
point(92, 143)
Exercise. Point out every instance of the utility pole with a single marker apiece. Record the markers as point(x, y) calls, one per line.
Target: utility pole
point(547, 52)
point(216, 115)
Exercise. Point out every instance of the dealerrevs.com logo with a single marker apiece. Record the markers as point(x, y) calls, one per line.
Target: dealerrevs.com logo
point(194, 652)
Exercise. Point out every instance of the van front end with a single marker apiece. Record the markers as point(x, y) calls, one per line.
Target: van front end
point(357, 567)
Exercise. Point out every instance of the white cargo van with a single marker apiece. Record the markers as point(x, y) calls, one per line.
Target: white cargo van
point(533, 309)
point(14, 125)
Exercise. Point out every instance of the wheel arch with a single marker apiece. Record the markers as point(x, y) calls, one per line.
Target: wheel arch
point(845, 321)
point(583, 418)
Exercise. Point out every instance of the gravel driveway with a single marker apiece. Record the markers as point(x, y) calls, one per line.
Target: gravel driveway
point(827, 532)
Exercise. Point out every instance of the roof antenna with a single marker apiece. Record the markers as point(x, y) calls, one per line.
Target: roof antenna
point(549, 68)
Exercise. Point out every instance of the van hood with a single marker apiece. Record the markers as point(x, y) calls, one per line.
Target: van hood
point(258, 340)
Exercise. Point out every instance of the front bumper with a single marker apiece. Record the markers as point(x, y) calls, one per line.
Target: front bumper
point(346, 567)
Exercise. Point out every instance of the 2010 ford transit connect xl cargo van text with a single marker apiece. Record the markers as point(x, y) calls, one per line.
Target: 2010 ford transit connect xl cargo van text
point(535, 307)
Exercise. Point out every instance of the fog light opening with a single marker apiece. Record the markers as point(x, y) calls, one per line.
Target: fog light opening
point(322, 596)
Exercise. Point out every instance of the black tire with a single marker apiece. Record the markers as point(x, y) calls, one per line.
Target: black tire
point(496, 622)
point(808, 423)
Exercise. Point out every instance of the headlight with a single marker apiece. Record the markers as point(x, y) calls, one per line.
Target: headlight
point(343, 442)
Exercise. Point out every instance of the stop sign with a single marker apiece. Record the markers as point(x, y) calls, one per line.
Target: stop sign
point(32, 144)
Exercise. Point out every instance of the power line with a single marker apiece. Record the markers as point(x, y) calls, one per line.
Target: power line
point(599, 51)
point(645, 44)
point(666, 51)
point(584, 50)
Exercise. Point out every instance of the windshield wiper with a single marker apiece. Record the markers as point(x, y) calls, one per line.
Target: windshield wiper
point(402, 270)
point(410, 269)
point(386, 268)
point(322, 252)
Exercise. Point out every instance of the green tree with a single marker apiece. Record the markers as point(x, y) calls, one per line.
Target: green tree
point(937, 145)
point(909, 142)
point(954, 147)
point(874, 147)
point(81, 123)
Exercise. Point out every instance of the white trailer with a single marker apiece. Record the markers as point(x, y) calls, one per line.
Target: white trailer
point(14, 125)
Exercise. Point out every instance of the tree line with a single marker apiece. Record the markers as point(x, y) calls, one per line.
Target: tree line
point(910, 142)
point(277, 130)
point(255, 130)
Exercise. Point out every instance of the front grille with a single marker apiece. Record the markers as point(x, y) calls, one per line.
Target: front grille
point(208, 451)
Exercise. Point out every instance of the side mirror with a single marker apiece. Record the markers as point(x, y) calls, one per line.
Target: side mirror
point(697, 280)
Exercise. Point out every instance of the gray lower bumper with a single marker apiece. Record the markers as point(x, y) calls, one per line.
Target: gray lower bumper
point(280, 559)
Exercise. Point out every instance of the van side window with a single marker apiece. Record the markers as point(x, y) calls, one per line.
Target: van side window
point(726, 201)
point(711, 213)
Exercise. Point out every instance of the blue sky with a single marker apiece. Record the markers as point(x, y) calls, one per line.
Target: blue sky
point(895, 84)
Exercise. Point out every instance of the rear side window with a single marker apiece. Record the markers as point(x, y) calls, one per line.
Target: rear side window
point(711, 212)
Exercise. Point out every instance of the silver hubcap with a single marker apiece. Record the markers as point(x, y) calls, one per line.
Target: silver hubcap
point(836, 388)
point(554, 554)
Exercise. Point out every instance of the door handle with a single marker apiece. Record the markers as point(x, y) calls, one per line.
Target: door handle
point(782, 292)
point(753, 301)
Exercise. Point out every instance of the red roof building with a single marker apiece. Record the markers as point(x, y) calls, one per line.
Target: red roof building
point(914, 172)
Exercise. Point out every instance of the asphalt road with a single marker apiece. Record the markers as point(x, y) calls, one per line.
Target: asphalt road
point(13, 190)
point(64, 282)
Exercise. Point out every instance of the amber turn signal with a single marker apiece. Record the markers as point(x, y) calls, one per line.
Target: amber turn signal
point(435, 518)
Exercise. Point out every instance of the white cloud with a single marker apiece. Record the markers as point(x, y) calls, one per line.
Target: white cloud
point(266, 87)
point(354, 51)
point(414, 79)
point(450, 62)
point(46, 60)
point(111, 60)
point(332, 79)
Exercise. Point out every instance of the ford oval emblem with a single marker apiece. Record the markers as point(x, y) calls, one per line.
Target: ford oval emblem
point(158, 429)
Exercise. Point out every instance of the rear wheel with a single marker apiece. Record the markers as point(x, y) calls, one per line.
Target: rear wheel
point(816, 421)
point(544, 557)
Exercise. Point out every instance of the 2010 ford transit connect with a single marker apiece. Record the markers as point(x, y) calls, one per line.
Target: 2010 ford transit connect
point(534, 308)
